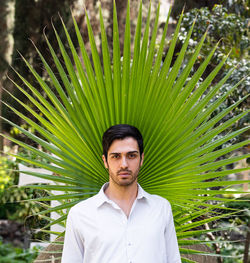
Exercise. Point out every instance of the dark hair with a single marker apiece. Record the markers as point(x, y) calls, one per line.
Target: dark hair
point(120, 131)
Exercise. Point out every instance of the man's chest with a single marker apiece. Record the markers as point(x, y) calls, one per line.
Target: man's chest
point(109, 232)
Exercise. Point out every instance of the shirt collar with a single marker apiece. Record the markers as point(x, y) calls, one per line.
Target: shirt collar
point(101, 197)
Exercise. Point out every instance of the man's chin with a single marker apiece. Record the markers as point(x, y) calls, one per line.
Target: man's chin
point(123, 179)
point(126, 181)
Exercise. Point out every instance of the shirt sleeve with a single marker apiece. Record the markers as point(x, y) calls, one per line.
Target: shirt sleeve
point(73, 248)
point(172, 249)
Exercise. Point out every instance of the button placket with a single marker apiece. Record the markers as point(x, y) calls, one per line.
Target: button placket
point(129, 241)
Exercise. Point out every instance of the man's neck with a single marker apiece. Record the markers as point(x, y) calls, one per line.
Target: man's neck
point(123, 196)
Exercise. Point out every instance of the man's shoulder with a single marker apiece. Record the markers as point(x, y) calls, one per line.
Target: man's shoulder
point(159, 203)
point(85, 205)
point(158, 199)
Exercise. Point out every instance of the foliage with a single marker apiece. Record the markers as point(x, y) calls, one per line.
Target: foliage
point(173, 114)
point(16, 202)
point(241, 73)
point(7, 177)
point(228, 28)
point(237, 227)
point(30, 155)
point(178, 5)
point(239, 7)
point(232, 33)
point(8, 254)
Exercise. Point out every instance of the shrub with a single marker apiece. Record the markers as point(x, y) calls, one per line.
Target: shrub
point(8, 254)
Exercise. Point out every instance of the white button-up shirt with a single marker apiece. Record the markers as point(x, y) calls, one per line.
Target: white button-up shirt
point(98, 231)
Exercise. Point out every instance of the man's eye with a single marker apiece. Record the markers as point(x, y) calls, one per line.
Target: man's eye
point(115, 156)
point(132, 155)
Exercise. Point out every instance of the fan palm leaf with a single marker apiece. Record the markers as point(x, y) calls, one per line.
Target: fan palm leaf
point(182, 154)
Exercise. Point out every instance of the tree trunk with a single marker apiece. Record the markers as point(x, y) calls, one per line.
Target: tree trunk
point(247, 243)
point(6, 48)
point(1, 122)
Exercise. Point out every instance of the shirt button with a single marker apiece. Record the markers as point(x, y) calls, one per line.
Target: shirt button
point(129, 244)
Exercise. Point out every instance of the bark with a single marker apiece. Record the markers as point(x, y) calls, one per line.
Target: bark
point(1, 122)
point(190, 4)
point(247, 245)
point(6, 48)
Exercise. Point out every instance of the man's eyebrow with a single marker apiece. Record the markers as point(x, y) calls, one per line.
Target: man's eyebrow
point(114, 153)
point(120, 153)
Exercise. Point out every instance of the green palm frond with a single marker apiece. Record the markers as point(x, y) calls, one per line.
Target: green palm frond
point(182, 156)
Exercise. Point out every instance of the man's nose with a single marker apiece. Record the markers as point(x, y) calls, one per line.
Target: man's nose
point(124, 163)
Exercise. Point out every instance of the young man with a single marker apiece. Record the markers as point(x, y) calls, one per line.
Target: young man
point(122, 223)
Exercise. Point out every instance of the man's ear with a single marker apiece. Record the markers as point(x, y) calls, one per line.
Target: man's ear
point(105, 161)
point(142, 159)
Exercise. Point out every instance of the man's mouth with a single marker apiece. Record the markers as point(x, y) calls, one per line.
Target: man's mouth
point(124, 173)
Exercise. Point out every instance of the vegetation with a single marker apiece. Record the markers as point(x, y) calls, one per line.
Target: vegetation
point(16, 203)
point(175, 115)
point(228, 28)
point(240, 224)
point(229, 25)
point(7, 177)
point(8, 254)
point(231, 30)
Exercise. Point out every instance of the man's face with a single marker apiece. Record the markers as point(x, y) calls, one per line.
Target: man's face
point(123, 161)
